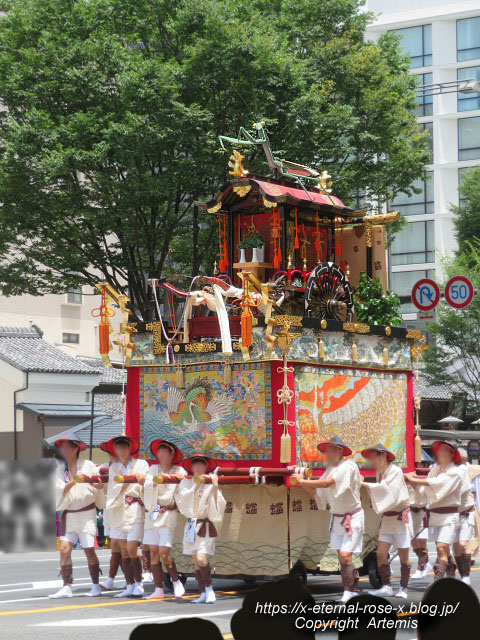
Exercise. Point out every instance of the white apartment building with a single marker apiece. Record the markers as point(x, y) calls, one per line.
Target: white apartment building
point(443, 40)
point(65, 319)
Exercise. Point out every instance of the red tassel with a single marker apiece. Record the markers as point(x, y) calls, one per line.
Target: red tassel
point(279, 255)
point(297, 242)
point(104, 337)
point(225, 253)
point(276, 263)
point(221, 265)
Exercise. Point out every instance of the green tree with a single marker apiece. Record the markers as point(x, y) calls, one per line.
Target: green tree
point(467, 216)
point(112, 108)
point(454, 357)
point(373, 306)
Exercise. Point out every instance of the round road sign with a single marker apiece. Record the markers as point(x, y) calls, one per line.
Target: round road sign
point(459, 292)
point(425, 294)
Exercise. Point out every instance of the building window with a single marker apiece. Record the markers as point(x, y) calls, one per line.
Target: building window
point(74, 296)
point(469, 138)
point(414, 244)
point(70, 338)
point(468, 101)
point(418, 203)
point(402, 283)
point(428, 126)
point(417, 43)
point(468, 39)
point(425, 100)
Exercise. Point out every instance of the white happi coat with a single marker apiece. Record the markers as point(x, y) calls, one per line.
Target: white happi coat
point(124, 516)
point(77, 497)
point(200, 503)
point(443, 490)
point(467, 500)
point(390, 493)
point(163, 495)
point(343, 496)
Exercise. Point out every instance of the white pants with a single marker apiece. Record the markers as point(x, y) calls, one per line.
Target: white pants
point(159, 536)
point(443, 533)
point(135, 533)
point(87, 540)
point(339, 541)
point(417, 521)
point(465, 528)
point(400, 540)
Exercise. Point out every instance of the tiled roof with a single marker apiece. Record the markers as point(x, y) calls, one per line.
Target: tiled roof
point(109, 403)
point(104, 428)
point(62, 410)
point(111, 375)
point(433, 392)
point(24, 349)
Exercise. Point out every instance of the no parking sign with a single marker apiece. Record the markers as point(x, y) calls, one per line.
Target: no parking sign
point(459, 292)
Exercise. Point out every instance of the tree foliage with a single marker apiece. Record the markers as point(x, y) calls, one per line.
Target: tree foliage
point(373, 306)
point(454, 357)
point(112, 108)
point(467, 216)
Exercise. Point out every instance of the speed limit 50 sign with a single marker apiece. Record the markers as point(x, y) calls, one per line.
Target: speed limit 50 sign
point(459, 292)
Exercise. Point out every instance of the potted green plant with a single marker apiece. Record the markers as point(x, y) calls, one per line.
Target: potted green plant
point(258, 245)
point(242, 246)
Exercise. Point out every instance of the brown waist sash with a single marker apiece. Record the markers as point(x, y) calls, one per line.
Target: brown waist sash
point(63, 517)
point(426, 517)
point(401, 515)
point(202, 532)
point(347, 520)
point(132, 499)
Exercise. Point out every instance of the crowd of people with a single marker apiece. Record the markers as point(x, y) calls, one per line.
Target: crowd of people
point(438, 507)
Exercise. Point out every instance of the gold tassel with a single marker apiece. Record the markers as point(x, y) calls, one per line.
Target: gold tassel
point(418, 448)
point(179, 380)
point(354, 352)
point(285, 448)
point(385, 357)
point(227, 374)
point(321, 350)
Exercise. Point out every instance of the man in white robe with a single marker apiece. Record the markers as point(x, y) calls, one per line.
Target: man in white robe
point(443, 490)
point(161, 515)
point(79, 503)
point(339, 490)
point(389, 498)
point(204, 506)
point(127, 512)
point(466, 524)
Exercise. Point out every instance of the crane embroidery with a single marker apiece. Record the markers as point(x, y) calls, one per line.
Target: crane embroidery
point(195, 406)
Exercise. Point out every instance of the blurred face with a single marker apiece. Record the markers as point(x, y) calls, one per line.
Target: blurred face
point(333, 455)
point(122, 451)
point(199, 468)
point(165, 456)
point(444, 455)
point(68, 451)
point(377, 460)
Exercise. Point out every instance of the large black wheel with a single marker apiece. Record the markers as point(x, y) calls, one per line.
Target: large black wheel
point(370, 568)
point(298, 572)
point(167, 581)
point(328, 294)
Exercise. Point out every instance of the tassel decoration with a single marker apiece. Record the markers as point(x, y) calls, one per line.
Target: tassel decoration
point(418, 448)
point(321, 350)
point(104, 337)
point(179, 378)
point(246, 328)
point(385, 357)
point(285, 448)
point(354, 352)
point(227, 373)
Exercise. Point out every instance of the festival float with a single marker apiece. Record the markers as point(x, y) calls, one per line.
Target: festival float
point(257, 362)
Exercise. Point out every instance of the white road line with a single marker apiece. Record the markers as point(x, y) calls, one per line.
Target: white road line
point(108, 622)
point(75, 595)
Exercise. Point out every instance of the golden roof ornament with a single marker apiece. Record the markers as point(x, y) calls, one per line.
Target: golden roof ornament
point(235, 163)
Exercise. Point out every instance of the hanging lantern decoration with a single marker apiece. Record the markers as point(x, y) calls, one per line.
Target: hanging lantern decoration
point(276, 238)
point(297, 242)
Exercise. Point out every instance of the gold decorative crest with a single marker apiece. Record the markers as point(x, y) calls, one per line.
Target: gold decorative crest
point(288, 321)
point(242, 190)
point(356, 327)
point(200, 347)
point(215, 208)
point(268, 204)
point(414, 334)
point(235, 163)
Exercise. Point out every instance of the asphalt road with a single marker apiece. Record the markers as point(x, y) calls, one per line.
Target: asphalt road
point(26, 612)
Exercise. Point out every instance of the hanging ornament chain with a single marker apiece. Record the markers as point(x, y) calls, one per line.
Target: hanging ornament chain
point(284, 398)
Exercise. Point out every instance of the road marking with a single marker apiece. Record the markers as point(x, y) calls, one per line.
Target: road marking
point(108, 622)
point(97, 605)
